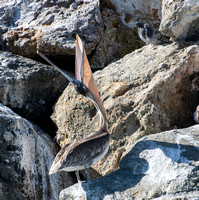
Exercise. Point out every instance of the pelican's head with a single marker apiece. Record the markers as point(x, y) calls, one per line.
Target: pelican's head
point(80, 87)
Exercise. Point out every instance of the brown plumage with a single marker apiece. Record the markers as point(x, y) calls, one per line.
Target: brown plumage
point(81, 154)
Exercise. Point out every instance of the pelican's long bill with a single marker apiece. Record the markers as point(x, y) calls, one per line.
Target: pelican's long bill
point(57, 68)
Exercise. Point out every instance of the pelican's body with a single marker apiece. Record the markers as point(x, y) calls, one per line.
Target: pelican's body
point(83, 153)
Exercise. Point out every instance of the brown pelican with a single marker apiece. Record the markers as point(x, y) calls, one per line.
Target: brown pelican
point(83, 153)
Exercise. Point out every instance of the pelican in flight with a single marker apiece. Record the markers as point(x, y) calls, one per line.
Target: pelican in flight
point(83, 153)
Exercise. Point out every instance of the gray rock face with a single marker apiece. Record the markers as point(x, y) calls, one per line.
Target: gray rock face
point(116, 41)
point(131, 11)
point(26, 156)
point(50, 26)
point(160, 166)
point(180, 19)
point(29, 87)
point(7, 193)
point(177, 19)
point(148, 91)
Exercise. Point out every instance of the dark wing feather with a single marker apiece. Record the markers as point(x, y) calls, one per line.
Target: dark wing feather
point(149, 32)
point(160, 38)
point(158, 35)
point(142, 35)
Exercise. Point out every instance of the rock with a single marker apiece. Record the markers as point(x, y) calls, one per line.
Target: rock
point(7, 193)
point(30, 88)
point(116, 41)
point(196, 115)
point(160, 166)
point(180, 19)
point(131, 11)
point(50, 26)
point(26, 156)
point(82, 1)
point(148, 91)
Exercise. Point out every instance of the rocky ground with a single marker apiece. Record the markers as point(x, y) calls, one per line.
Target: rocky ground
point(160, 166)
point(150, 94)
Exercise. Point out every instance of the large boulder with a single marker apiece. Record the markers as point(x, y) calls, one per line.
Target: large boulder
point(148, 91)
point(180, 19)
point(8, 193)
point(116, 41)
point(50, 26)
point(30, 88)
point(26, 156)
point(161, 166)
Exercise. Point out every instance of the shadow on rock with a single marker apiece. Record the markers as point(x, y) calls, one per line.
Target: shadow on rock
point(159, 165)
point(147, 158)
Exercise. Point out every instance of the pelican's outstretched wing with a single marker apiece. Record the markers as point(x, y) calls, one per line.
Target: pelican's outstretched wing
point(83, 73)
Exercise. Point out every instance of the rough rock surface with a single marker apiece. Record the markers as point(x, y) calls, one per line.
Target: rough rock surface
point(131, 11)
point(116, 41)
point(8, 193)
point(180, 19)
point(148, 91)
point(29, 87)
point(26, 156)
point(50, 26)
point(160, 166)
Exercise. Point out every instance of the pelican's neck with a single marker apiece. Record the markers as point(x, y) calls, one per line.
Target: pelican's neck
point(103, 123)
